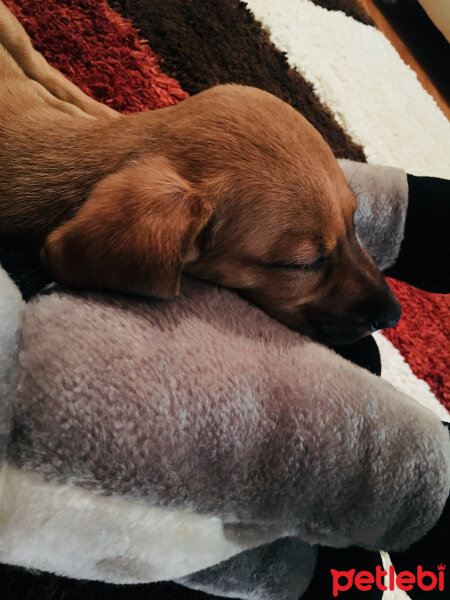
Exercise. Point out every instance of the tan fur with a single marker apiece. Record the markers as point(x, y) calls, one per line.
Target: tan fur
point(142, 217)
point(229, 186)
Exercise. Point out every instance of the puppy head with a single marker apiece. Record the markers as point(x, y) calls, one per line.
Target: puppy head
point(282, 230)
point(296, 256)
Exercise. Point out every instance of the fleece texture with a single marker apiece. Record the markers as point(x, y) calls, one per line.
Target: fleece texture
point(75, 532)
point(382, 201)
point(11, 305)
point(255, 458)
point(207, 404)
point(256, 574)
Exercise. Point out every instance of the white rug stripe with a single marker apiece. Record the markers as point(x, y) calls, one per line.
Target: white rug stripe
point(397, 371)
point(359, 76)
point(396, 593)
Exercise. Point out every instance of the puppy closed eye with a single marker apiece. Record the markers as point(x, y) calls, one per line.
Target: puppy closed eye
point(303, 267)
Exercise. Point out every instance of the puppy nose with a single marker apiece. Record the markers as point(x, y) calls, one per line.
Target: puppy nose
point(386, 319)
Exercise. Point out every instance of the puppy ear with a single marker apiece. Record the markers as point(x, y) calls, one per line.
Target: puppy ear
point(133, 233)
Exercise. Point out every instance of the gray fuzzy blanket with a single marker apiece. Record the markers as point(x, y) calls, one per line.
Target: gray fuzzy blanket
point(152, 440)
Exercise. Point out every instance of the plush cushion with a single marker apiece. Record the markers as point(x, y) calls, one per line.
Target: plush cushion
point(154, 439)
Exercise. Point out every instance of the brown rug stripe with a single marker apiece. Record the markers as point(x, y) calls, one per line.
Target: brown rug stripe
point(351, 8)
point(206, 42)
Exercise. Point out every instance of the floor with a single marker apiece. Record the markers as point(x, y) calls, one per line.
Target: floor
point(419, 43)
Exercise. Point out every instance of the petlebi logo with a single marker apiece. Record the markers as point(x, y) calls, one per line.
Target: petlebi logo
point(388, 580)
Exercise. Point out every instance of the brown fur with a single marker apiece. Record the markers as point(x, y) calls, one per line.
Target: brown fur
point(230, 186)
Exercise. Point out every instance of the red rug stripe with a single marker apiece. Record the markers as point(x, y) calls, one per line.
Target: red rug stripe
point(423, 336)
point(99, 51)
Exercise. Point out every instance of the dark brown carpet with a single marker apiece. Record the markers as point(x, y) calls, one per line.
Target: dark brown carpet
point(206, 42)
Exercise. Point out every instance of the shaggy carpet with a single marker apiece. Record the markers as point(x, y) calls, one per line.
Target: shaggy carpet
point(325, 58)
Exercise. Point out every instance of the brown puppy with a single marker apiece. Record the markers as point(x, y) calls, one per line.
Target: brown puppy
point(232, 186)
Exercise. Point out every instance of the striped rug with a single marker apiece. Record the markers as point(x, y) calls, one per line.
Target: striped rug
point(324, 57)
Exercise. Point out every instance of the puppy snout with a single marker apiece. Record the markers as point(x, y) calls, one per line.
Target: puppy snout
point(388, 312)
point(385, 320)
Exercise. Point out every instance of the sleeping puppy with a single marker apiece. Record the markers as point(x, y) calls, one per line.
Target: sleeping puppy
point(232, 186)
